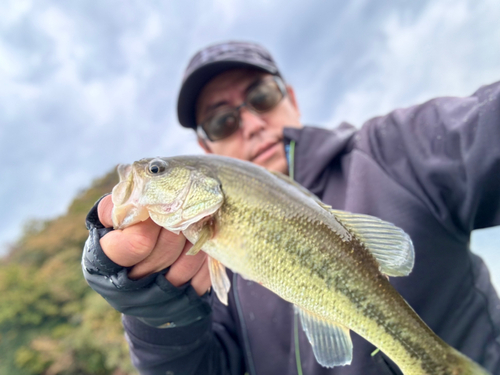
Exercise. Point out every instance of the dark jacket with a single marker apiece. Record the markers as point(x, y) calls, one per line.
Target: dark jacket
point(431, 169)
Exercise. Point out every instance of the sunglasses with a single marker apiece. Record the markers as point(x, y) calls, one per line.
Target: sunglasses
point(262, 96)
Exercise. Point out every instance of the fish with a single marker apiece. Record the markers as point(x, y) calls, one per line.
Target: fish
point(332, 265)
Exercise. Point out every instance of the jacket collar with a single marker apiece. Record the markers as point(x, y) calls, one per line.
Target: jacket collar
point(315, 149)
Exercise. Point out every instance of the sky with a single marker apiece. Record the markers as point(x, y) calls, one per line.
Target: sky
point(86, 85)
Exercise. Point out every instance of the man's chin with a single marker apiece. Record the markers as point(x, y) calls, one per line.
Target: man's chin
point(276, 165)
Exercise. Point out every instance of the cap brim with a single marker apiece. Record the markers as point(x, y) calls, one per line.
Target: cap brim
point(191, 87)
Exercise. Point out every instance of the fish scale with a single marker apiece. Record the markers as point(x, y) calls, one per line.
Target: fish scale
point(272, 232)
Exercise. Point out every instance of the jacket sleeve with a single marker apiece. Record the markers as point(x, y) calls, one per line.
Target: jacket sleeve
point(167, 328)
point(447, 153)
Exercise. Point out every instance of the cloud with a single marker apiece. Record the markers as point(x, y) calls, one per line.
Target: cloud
point(74, 103)
point(441, 51)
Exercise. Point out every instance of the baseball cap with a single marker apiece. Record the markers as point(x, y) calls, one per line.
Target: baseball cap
point(213, 60)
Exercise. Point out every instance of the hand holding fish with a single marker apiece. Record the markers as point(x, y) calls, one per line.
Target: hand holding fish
point(148, 248)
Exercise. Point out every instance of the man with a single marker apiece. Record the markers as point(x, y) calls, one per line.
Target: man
point(432, 170)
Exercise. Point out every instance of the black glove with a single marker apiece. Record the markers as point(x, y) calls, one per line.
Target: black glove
point(152, 299)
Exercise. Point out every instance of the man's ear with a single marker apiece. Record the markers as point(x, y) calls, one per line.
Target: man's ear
point(203, 144)
point(293, 100)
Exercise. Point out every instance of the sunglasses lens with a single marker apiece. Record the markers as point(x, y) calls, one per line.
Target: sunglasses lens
point(222, 125)
point(264, 96)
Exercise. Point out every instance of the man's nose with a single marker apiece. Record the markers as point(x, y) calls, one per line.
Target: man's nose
point(251, 122)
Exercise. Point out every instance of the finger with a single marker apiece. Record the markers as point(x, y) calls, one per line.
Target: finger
point(129, 246)
point(201, 281)
point(185, 267)
point(104, 211)
point(167, 249)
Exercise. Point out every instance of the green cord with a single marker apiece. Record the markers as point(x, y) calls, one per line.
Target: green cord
point(297, 346)
point(375, 352)
point(291, 155)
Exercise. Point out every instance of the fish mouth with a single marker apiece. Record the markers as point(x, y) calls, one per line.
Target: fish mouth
point(123, 190)
point(125, 197)
point(130, 209)
point(126, 215)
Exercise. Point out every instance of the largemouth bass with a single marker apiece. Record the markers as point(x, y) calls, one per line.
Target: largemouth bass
point(332, 265)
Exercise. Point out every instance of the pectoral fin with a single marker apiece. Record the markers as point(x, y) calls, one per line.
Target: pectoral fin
point(205, 234)
point(220, 281)
point(331, 342)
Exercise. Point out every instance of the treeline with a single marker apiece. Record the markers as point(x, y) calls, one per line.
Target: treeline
point(51, 322)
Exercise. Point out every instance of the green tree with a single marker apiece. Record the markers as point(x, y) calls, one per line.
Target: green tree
point(51, 322)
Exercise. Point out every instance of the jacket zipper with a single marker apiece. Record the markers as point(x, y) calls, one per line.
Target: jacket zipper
point(246, 343)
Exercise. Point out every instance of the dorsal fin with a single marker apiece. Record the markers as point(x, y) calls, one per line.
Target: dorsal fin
point(390, 245)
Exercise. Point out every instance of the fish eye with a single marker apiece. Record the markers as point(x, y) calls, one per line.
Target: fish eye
point(157, 166)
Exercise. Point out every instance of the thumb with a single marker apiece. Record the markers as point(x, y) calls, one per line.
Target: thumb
point(104, 211)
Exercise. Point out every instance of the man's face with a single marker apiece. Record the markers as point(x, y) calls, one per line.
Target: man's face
point(260, 136)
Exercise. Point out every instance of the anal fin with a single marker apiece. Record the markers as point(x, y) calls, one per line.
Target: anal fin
point(220, 281)
point(330, 341)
